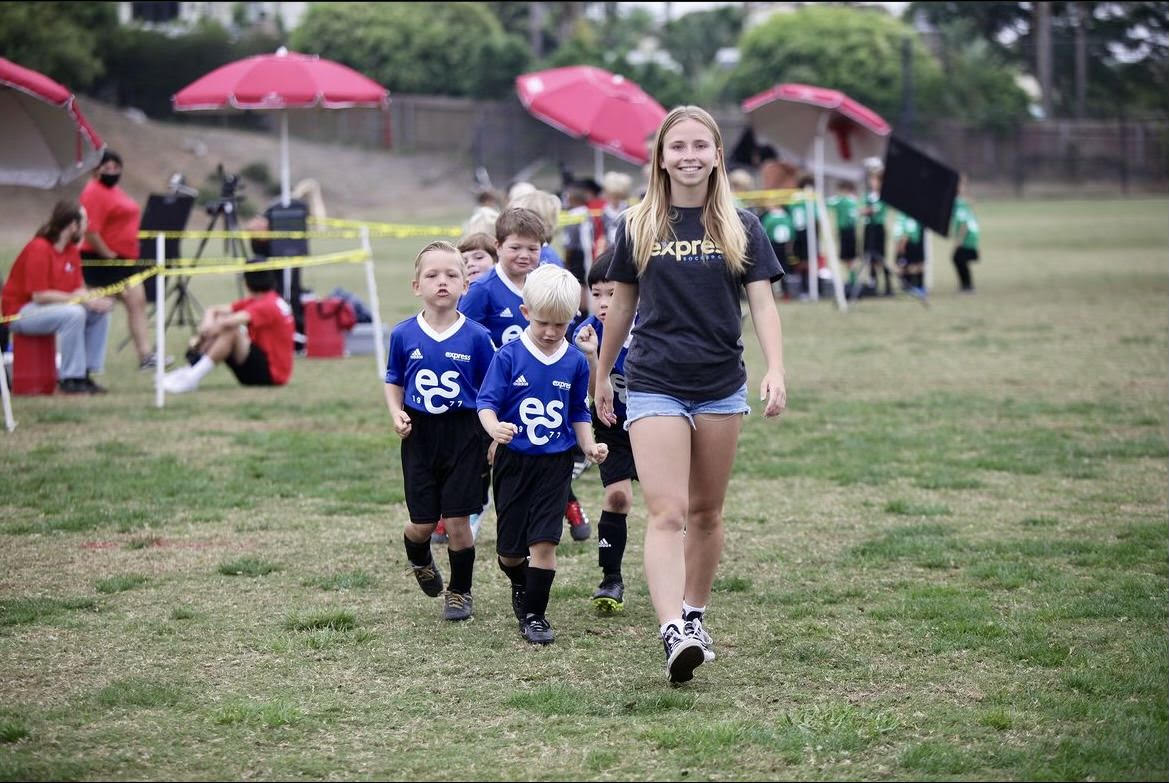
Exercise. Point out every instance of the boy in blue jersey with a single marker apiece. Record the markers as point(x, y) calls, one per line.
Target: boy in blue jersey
point(533, 403)
point(617, 471)
point(495, 299)
point(438, 360)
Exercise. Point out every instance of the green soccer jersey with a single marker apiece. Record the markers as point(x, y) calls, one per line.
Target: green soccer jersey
point(845, 209)
point(798, 209)
point(964, 216)
point(905, 226)
point(877, 216)
point(777, 225)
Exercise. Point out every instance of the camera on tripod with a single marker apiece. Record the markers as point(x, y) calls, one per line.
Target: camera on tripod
point(229, 189)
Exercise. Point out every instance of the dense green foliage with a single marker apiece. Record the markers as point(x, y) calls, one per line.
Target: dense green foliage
point(444, 48)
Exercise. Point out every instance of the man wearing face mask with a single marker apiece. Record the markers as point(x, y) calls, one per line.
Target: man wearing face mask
point(45, 278)
point(114, 218)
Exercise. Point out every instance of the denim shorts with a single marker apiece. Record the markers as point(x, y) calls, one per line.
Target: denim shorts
point(640, 405)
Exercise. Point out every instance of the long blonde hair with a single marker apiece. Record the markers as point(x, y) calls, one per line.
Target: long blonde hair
point(651, 219)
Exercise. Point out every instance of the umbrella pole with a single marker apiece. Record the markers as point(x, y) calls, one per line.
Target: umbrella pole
point(822, 216)
point(598, 165)
point(9, 422)
point(284, 173)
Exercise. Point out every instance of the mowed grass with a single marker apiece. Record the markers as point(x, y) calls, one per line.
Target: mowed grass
point(947, 560)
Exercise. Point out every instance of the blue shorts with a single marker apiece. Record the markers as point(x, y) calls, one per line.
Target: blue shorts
point(640, 405)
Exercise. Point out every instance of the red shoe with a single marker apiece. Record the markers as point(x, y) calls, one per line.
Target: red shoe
point(578, 521)
point(439, 534)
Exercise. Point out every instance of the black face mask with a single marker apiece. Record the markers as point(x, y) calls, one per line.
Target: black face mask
point(109, 180)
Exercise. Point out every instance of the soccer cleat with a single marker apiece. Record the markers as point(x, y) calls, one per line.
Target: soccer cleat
point(429, 578)
point(537, 630)
point(692, 627)
point(610, 597)
point(456, 606)
point(439, 535)
point(578, 521)
point(684, 654)
point(518, 594)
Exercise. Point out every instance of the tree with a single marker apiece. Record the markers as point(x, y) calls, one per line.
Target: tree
point(63, 40)
point(435, 48)
point(857, 51)
point(694, 39)
point(1127, 48)
point(981, 88)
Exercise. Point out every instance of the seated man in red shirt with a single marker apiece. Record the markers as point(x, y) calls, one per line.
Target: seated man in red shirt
point(260, 355)
point(42, 288)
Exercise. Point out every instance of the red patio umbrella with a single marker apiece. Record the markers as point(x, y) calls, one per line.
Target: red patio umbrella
point(798, 118)
point(281, 81)
point(795, 116)
point(44, 139)
point(611, 112)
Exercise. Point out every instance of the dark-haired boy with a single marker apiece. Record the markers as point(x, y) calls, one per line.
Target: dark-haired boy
point(618, 471)
point(253, 336)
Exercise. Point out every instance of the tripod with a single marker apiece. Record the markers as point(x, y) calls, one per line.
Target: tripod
point(226, 209)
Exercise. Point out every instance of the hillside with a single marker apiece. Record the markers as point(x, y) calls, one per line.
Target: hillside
point(362, 183)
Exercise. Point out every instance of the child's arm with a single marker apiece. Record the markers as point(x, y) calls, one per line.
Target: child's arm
point(765, 318)
point(596, 452)
point(395, 400)
point(586, 341)
point(500, 431)
point(617, 325)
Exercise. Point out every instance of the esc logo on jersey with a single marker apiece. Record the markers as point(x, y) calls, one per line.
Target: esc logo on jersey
point(533, 414)
point(430, 385)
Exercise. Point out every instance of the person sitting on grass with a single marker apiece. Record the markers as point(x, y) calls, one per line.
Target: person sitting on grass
point(252, 335)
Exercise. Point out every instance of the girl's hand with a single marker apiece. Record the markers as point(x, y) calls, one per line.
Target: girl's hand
point(603, 399)
point(402, 424)
point(586, 341)
point(504, 432)
point(773, 392)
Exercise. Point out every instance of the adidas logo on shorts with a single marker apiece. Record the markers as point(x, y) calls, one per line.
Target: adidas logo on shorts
point(506, 313)
point(520, 381)
point(416, 354)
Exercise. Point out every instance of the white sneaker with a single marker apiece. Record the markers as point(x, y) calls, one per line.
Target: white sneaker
point(693, 628)
point(179, 381)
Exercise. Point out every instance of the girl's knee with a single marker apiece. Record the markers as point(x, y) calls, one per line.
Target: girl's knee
point(668, 520)
point(705, 520)
point(617, 500)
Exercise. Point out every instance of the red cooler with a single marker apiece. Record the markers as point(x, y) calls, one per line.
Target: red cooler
point(34, 364)
point(325, 323)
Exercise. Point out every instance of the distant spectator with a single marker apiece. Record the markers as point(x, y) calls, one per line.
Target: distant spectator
point(41, 287)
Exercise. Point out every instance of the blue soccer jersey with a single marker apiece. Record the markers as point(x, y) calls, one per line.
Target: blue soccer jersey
point(617, 375)
point(494, 301)
point(439, 371)
point(541, 395)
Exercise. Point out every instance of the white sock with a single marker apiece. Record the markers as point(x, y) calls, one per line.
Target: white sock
point(687, 609)
point(676, 622)
point(199, 369)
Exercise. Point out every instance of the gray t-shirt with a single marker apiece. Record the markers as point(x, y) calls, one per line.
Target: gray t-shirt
point(688, 341)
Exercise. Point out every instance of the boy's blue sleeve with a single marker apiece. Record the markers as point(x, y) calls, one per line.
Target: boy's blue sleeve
point(396, 363)
point(495, 384)
point(474, 303)
point(579, 401)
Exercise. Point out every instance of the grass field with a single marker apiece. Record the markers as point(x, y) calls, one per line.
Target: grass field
point(948, 559)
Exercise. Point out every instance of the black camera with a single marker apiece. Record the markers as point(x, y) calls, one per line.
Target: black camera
point(229, 188)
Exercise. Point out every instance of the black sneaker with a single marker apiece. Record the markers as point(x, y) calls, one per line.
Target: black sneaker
point(93, 387)
point(537, 630)
point(73, 386)
point(683, 654)
point(518, 594)
point(456, 606)
point(429, 578)
point(610, 597)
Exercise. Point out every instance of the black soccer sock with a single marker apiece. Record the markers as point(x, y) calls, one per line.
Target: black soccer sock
point(518, 574)
point(612, 532)
point(539, 585)
point(462, 565)
point(418, 554)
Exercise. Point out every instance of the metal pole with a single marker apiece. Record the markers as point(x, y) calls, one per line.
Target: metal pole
point(159, 318)
point(821, 214)
point(9, 422)
point(374, 306)
point(284, 168)
point(598, 165)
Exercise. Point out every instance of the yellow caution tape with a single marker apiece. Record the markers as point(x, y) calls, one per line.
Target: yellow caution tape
point(98, 293)
point(345, 257)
